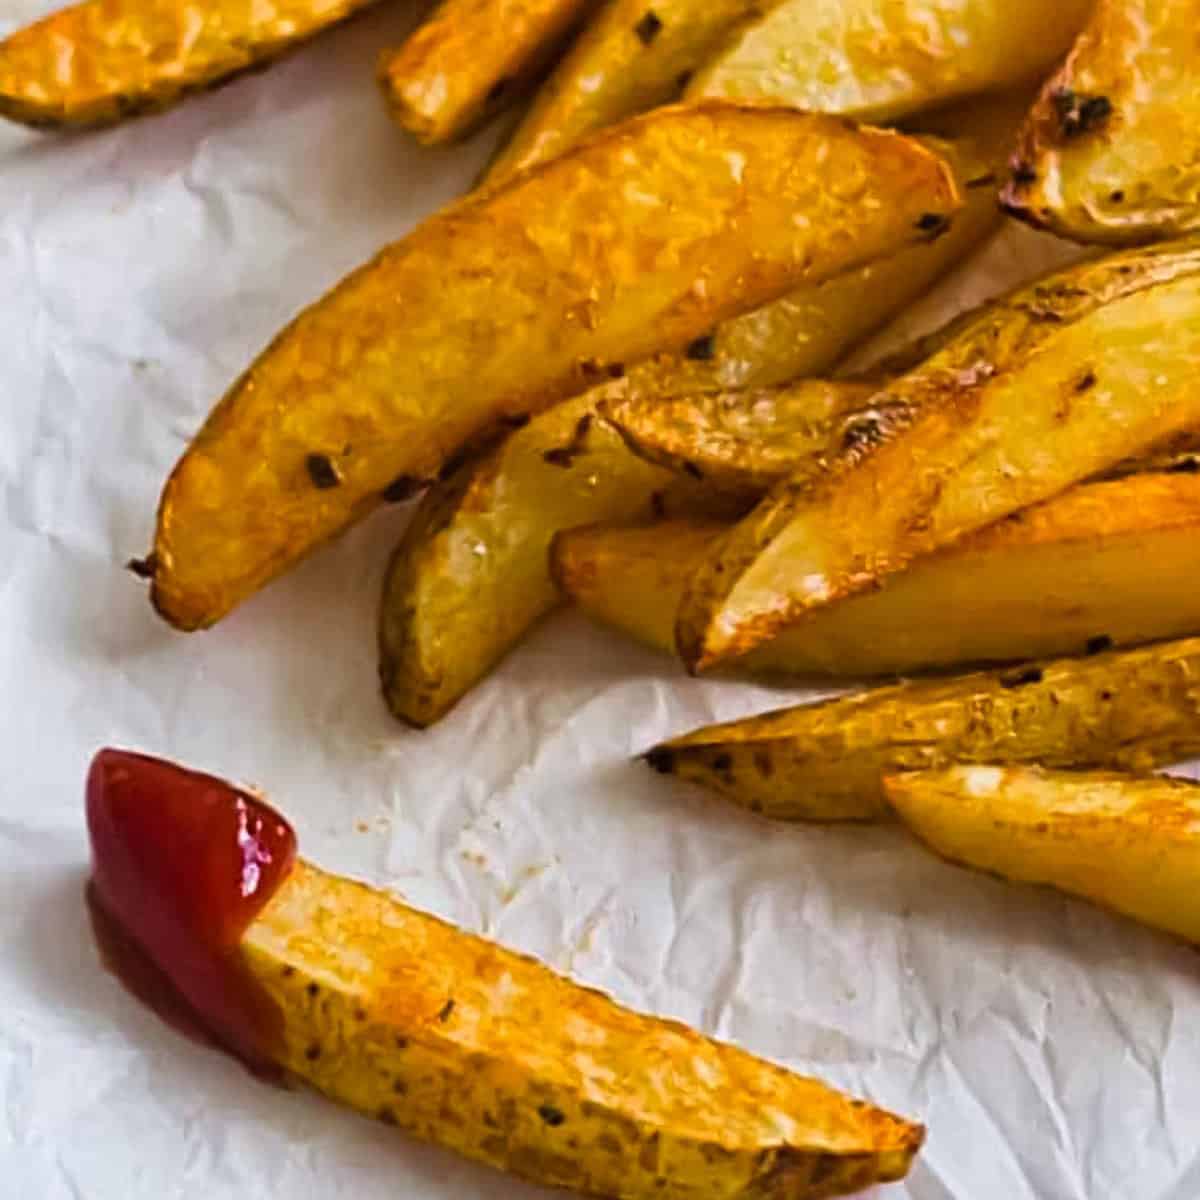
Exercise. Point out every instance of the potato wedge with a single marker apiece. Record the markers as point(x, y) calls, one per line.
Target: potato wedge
point(1128, 843)
point(453, 1038)
point(813, 329)
point(1055, 384)
point(509, 301)
point(880, 60)
point(99, 62)
point(742, 442)
point(1103, 564)
point(470, 59)
point(1128, 709)
point(470, 577)
point(632, 57)
point(1111, 151)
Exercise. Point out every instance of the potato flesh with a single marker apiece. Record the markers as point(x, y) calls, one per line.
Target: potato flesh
point(470, 576)
point(1130, 710)
point(491, 1054)
point(510, 301)
point(1103, 564)
point(101, 61)
point(471, 58)
point(1054, 385)
point(630, 58)
point(880, 60)
point(1130, 844)
point(1111, 151)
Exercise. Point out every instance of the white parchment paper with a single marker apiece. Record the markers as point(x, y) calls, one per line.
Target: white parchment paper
point(1054, 1051)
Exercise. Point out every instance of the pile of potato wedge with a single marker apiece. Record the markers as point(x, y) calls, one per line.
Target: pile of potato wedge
point(613, 375)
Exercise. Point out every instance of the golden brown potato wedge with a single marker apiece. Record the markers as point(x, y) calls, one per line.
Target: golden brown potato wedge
point(634, 55)
point(1111, 151)
point(1103, 564)
point(1129, 709)
point(104, 60)
point(879, 60)
point(813, 329)
point(1058, 382)
point(742, 442)
point(470, 577)
point(470, 59)
point(1128, 843)
point(453, 1038)
point(746, 441)
point(508, 301)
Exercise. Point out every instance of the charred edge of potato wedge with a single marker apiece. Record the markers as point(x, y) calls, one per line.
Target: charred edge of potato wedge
point(1107, 154)
point(1065, 340)
point(1130, 844)
point(1105, 564)
point(1132, 710)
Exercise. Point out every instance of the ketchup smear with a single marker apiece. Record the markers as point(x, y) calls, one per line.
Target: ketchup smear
point(182, 863)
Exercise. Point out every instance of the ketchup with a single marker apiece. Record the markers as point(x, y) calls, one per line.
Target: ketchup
point(182, 863)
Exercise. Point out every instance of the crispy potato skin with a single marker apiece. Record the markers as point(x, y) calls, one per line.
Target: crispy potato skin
point(631, 57)
point(470, 59)
point(741, 442)
point(1107, 563)
point(880, 60)
point(1055, 384)
point(1111, 150)
point(1130, 710)
point(1127, 843)
point(99, 62)
point(489, 1053)
point(470, 576)
point(509, 301)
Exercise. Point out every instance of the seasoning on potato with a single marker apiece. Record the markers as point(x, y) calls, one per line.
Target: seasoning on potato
point(1054, 384)
point(1104, 564)
point(632, 56)
point(508, 301)
point(101, 61)
point(1129, 710)
point(445, 1035)
point(470, 576)
point(1111, 151)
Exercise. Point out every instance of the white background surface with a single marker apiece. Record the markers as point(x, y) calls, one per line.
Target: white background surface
point(1054, 1051)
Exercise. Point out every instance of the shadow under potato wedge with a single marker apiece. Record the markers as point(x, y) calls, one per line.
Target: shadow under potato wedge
point(1105, 564)
point(470, 576)
point(470, 59)
point(1130, 710)
point(102, 61)
point(450, 1037)
point(1054, 384)
point(1111, 150)
point(630, 58)
point(509, 301)
point(1128, 843)
point(881, 60)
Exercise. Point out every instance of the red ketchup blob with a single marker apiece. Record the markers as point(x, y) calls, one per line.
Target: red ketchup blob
point(182, 863)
